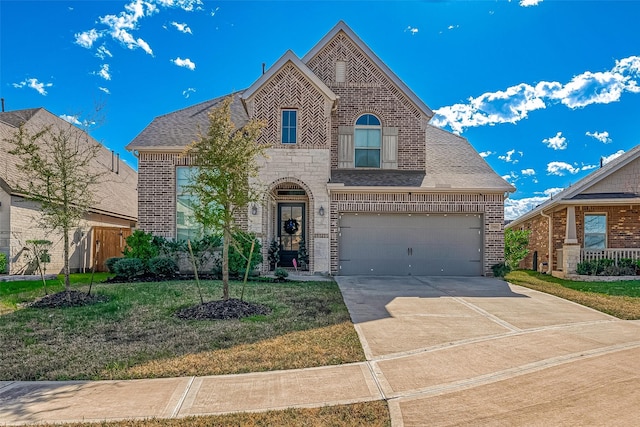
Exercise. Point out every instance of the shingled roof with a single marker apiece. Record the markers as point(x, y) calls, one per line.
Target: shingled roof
point(176, 130)
point(583, 190)
point(115, 195)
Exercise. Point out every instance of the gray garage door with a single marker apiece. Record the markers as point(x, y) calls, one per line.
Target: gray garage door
point(416, 244)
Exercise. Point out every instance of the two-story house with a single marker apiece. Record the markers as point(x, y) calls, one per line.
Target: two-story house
point(354, 168)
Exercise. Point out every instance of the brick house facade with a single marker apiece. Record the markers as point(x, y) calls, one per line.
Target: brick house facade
point(363, 147)
point(599, 215)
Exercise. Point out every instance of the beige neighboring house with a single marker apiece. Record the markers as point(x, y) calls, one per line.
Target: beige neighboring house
point(597, 217)
point(355, 169)
point(100, 235)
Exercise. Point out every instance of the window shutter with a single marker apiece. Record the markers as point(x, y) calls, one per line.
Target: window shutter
point(345, 147)
point(390, 148)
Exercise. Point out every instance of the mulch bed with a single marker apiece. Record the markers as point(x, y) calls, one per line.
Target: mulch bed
point(68, 299)
point(223, 310)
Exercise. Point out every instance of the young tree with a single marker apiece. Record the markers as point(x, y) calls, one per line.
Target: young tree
point(57, 162)
point(223, 181)
point(515, 246)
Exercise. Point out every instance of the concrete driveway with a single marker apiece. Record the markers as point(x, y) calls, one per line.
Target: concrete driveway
point(479, 351)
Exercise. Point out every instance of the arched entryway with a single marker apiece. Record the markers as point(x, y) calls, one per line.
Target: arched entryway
point(289, 221)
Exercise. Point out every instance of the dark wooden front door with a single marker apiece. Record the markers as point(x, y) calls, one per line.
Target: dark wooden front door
point(291, 220)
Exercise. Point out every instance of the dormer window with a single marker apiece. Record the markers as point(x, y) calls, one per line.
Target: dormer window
point(289, 126)
point(368, 139)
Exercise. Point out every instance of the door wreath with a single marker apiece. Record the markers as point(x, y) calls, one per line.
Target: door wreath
point(291, 226)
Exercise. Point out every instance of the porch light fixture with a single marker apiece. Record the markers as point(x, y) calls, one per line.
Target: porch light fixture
point(321, 211)
point(254, 210)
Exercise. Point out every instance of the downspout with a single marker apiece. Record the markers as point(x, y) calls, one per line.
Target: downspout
point(550, 240)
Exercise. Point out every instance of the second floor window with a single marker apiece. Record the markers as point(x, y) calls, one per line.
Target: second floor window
point(368, 138)
point(289, 126)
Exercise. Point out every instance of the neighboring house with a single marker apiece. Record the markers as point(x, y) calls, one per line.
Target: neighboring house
point(100, 235)
point(372, 187)
point(597, 217)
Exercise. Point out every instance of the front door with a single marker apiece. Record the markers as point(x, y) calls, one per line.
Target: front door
point(291, 227)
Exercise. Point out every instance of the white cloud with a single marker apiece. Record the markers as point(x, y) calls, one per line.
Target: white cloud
point(182, 27)
point(613, 156)
point(187, 63)
point(515, 208)
point(121, 26)
point(103, 72)
point(213, 12)
point(188, 91)
point(528, 172)
point(487, 153)
point(102, 52)
point(557, 142)
point(516, 102)
point(600, 136)
point(71, 119)
point(105, 90)
point(35, 85)
point(587, 167)
point(527, 3)
point(560, 168)
point(87, 38)
point(412, 30)
point(508, 157)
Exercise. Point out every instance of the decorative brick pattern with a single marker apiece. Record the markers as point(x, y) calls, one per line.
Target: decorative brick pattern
point(368, 90)
point(291, 89)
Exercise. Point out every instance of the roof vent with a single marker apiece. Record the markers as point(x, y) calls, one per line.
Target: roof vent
point(341, 71)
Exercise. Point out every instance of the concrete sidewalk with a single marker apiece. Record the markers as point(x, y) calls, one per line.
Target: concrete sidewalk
point(441, 351)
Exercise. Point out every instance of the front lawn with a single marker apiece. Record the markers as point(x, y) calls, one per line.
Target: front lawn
point(619, 299)
point(136, 335)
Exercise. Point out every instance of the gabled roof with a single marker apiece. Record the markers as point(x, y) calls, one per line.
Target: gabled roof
point(116, 195)
point(289, 56)
point(176, 130)
point(341, 26)
point(578, 192)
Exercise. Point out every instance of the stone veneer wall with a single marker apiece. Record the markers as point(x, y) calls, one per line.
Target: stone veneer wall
point(491, 206)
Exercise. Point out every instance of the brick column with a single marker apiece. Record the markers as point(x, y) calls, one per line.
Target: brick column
point(570, 258)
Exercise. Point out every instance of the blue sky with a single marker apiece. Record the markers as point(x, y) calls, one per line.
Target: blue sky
point(543, 89)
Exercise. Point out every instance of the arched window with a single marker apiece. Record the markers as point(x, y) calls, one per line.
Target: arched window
point(368, 139)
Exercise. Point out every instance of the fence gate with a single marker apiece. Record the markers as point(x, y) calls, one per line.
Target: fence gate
point(108, 242)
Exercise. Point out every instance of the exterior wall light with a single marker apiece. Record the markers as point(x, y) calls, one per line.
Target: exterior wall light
point(321, 211)
point(254, 210)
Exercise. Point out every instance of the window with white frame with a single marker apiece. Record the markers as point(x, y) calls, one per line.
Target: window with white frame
point(186, 225)
point(368, 140)
point(289, 126)
point(595, 231)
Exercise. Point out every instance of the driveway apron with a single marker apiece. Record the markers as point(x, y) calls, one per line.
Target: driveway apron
point(469, 351)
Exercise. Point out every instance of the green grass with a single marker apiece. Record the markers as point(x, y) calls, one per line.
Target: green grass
point(620, 299)
point(136, 335)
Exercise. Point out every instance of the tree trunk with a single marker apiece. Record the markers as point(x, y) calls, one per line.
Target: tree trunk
point(67, 281)
point(226, 236)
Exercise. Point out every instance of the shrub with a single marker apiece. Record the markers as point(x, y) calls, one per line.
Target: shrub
point(281, 273)
point(500, 270)
point(274, 254)
point(163, 267)
point(129, 268)
point(3, 262)
point(141, 245)
point(516, 244)
point(239, 253)
point(584, 268)
point(109, 262)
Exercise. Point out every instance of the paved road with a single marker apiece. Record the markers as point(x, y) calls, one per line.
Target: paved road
point(442, 351)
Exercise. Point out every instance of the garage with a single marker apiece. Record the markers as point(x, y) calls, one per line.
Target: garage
point(410, 244)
